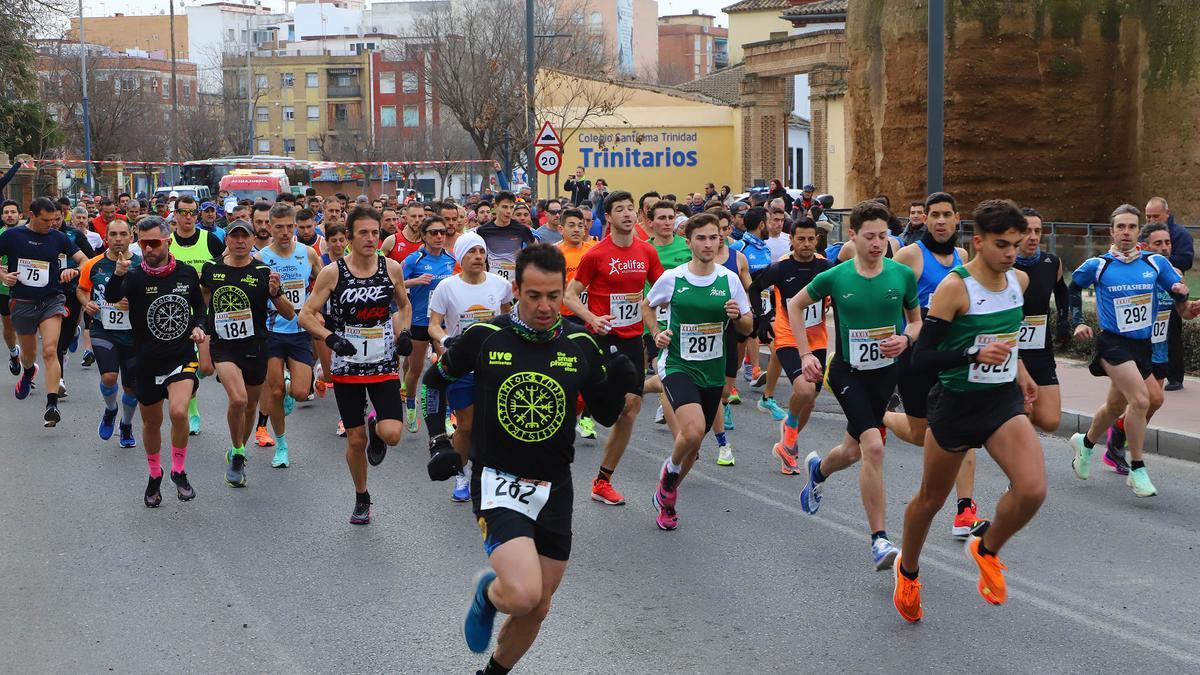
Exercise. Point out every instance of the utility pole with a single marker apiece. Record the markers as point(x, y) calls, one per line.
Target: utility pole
point(87, 119)
point(530, 112)
point(173, 147)
point(935, 153)
point(249, 99)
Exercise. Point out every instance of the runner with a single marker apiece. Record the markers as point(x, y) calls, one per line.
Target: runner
point(306, 231)
point(574, 244)
point(504, 237)
point(1035, 348)
point(779, 243)
point(423, 270)
point(260, 218)
point(288, 345)
point(166, 310)
point(522, 488)
point(691, 365)
point(872, 299)
point(360, 289)
point(672, 251)
point(36, 273)
point(236, 289)
point(1125, 280)
point(614, 274)
point(335, 248)
point(404, 243)
point(970, 337)
point(463, 300)
point(112, 333)
point(735, 262)
point(10, 217)
point(789, 276)
point(753, 245)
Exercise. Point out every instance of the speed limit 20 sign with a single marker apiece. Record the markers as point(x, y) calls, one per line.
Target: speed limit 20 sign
point(549, 160)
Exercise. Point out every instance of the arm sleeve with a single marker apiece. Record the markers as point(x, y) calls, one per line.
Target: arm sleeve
point(199, 311)
point(765, 279)
point(603, 382)
point(215, 247)
point(8, 175)
point(461, 357)
point(85, 274)
point(927, 355)
point(1062, 304)
point(114, 290)
point(86, 247)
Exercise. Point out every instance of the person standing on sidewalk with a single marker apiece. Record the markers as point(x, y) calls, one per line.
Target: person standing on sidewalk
point(1182, 257)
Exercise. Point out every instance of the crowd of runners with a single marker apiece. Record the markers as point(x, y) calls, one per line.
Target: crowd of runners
point(563, 316)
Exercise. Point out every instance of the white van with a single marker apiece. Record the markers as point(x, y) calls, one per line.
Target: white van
point(200, 193)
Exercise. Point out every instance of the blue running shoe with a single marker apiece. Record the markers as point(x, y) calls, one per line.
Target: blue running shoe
point(883, 554)
point(481, 616)
point(462, 489)
point(75, 340)
point(127, 440)
point(728, 422)
point(193, 425)
point(747, 371)
point(107, 422)
point(280, 461)
point(24, 384)
point(810, 496)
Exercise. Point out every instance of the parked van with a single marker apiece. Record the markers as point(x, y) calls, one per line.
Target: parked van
point(201, 193)
point(255, 184)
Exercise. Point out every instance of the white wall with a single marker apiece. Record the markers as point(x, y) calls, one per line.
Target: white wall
point(318, 18)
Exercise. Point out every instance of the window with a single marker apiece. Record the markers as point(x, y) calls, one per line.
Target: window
point(287, 80)
point(340, 112)
point(310, 80)
point(264, 145)
point(314, 145)
point(595, 23)
point(166, 88)
point(412, 116)
point(387, 116)
point(387, 84)
point(314, 112)
point(230, 36)
point(410, 83)
point(289, 113)
point(289, 146)
point(260, 81)
point(187, 89)
point(342, 80)
point(116, 86)
point(696, 69)
point(261, 114)
point(696, 43)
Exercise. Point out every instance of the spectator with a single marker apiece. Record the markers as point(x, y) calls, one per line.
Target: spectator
point(710, 191)
point(915, 229)
point(599, 194)
point(724, 195)
point(779, 192)
point(1183, 254)
point(579, 187)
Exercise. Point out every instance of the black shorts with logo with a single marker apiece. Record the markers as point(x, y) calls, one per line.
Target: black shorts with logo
point(151, 388)
point(682, 390)
point(793, 365)
point(863, 394)
point(1042, 370)
point(914, 386)
point(960, 421)
point(249, 356)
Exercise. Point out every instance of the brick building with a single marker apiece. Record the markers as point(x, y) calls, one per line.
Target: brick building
point(690, 46)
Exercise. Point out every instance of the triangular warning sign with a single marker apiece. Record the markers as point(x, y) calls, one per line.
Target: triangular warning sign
point(547, 136)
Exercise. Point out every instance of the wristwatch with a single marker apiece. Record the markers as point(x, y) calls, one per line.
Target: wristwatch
point(972, 353)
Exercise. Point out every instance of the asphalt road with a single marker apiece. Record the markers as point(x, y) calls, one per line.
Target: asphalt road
point(271, 578)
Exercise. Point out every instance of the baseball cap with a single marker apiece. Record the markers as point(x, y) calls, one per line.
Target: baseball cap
point(809, 187)
point(239, 224)
point(207, 205)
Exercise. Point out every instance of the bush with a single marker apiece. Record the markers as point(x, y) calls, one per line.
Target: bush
point(1083, 349)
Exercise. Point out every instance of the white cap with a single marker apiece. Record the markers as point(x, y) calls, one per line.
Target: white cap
point(466, 242)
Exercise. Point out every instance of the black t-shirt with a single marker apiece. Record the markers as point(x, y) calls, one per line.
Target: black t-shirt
point(237, 311)
point(1044, 283)
point(38, 259)
point(789, 276)
point(163, 311)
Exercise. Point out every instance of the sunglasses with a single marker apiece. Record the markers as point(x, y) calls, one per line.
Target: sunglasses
point(186, 212)
point(436, 232)
point(152, 243)
point(554, 212)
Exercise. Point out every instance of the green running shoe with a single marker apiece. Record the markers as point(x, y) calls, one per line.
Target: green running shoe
point(410, 416)
point(1139, 480)
point(1082, 463)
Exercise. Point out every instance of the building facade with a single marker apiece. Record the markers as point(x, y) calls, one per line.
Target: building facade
point(124, 32)
point(688, 47)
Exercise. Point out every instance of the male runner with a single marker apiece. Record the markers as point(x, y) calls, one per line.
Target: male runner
point(735, 262)
point(361, 288)
point(1035, 347)
point(1125, 279)
point(789, 276)
point(260, 219)
point(695, 300)
point(237, 288)
point(166, 310)
point(287, 343)
point(873, 298)
point(335, 248)
point(306, 231)
point(970, 337)
point(522, 495)
point(574, 244)
point(408, 239)
point(112, 332)
point(504, 237)
point(10, 217)
point(423, 269)
point(36, 273)
point(453, 216)
point(672, 251)
point(614, 274)
point(753, 245)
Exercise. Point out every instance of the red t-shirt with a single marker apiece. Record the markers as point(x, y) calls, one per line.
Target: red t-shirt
point(615, 278)
point(402, 247)
point(101, 228)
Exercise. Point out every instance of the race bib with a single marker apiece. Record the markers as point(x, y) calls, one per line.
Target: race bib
point(866, 348)
point(1033, 332)
point(1133, 312)
point(626, 309)
point(507, 269)
point(235, 325)
point(113, 317)
point(984, 373)
point(35, 273)
point(662, 314)
point(1161, 320)
point(814, 315)
point(368, 340)
point(700, 341)
point(499, 490)
point(766, 301)
point(295, 291)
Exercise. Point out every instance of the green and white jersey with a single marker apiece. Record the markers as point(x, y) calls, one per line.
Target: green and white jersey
point(866, 310)
point(992, 316)
point(695, 315)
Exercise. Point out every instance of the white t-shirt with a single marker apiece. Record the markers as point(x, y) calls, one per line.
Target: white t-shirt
point(780, 245)
point(94, 240)
point(464, 304)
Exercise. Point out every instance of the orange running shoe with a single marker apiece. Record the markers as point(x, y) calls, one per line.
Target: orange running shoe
point(787, 463)
point(991, 573)
point(320, 388)
point(907, 595)
point(789, 434)
point(603, 492)
point(263, 438)
point(966, 522)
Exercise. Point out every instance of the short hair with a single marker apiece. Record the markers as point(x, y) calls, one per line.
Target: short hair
point(414, 205)
point(282, 210)
point(754, 218)
point(997, 216)
point(62, 201)
point(80, 211)
point(1151, 228)
point(1122, 210)
point(305, 214)
point(310, 192)
point(669, 197)
point(555, 200)
point(1030, 212)
point(642, 199)
point(342, 196)
point(882, 199)
point(661, 204)
point(118, 222)
point(720, 212)
point(183, 199)
point(361, 213)
point(153, 223)
point(545, 257)
point(107, 201)
point(1160, 200)
point(505, 195)
point(868, 210)
point(42, 205)
point(613, 197)
point(431, 220)
point(917, 202)
point(260, 206)
point(124, 194)
point(9, 202)
point(586, 204)
point(571, 213)
point(388, 208)
point(446, 205)
point(804, 224)
point(285, 197)
point(334, 230)
point(703, 219)
point(940, 198)
point(776, 211)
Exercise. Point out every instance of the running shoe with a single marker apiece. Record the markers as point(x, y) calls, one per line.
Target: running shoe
point(280, 461)
point(1082, 463)
point(790, 434)
point(52, 417)
point(451, 423)
point(107, 421)
point(659, 416)
point(991, 573)
point(153, 496)
point(728, 421)
point(747, 371)
point(88, 359)
point(965, 522)
point(24, 384)
point(788, 465)
point(376, 448)
point(462, 489)
point(193, 425)
point(758, 378)
point(361, 514)
point(62, 388)
point(1116, 440)
point(1114, 454)
point(883, 554)
point(75, 340)
point(664, 494)
point(320, 388)
point(235, 469)
point(14, 362)
point(586, 427)
point(183, 489)
point(340, 431)
point(810, 496)
point(907, 595)
point(725, 455)
point(289, 404)
point(667, 519)
point(410, 418)
point(605, 493)
point(481, 615)
point(894, 403)
point(1139, 480)
point(734, 398)
point(127, 440)
point(769, 405)
point(263, 438)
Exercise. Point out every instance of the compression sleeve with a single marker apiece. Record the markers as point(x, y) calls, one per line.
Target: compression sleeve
point(926, 353)
point(1062, 307)
point(114, 290)
point(765, 279)
point(199, 309)
point(1075, 292)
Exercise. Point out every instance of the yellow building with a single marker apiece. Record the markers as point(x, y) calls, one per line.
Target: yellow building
point(755, 21)
point(123, 32)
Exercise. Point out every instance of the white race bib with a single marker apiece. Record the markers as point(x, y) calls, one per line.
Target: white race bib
point(35, 273)
point(1033, 332)
point(368, 340)
point(766, 301)
point(983, 373)
point(1161, 320)
point(295, 290)
point(1133, 312)
point(866, 347)
point(499, 490)
point(113, 317)
point(507, 269)
point(814, 314)
point(626, 309)
point(700, 341)
point(235, 325)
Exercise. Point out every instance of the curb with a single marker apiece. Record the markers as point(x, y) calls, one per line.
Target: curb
point(1164, 441)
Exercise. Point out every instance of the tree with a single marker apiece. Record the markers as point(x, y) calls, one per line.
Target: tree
point(574, 101)
point(25, 123)
point(202, 130)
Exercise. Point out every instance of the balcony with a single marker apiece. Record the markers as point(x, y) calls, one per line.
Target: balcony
point(344, 91)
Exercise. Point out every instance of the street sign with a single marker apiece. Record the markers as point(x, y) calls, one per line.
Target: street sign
point(548, 160)
point(548, 137)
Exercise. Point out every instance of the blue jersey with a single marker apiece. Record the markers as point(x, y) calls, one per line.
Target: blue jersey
point(932, 273)
point(421, 262)
point(295, 275)
point(1125, 291)
point(758, 254)
point(1164, 304)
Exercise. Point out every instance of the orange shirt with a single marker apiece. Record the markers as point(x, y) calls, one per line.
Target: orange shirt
point(574, 254)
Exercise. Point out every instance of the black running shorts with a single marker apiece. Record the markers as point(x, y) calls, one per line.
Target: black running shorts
point(352, 401)
point(960, 421)
point(863, 394)
point(682, 390)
